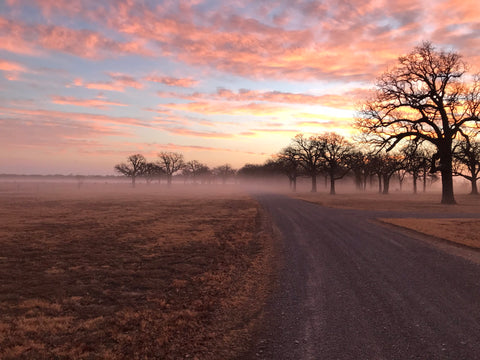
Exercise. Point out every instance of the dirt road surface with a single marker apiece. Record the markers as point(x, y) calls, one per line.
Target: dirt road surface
point(351, 288)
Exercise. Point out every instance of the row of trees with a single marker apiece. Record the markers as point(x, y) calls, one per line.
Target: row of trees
point(167, 165)
point(427, 108)
point(329, 155)
point(333, 157)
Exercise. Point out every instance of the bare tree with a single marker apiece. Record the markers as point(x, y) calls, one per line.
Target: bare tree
point(134, 167)
point(152, 171)
point(289, 163)
point(467, 161)
point(417, 163)
point(194, 169)
point(309, 153)
point(334, 151)
point(224, 172)
point(423, 98)
point(170, 163)
point(357, 161)
point(389, 164)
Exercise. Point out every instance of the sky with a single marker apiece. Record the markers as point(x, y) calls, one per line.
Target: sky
point(85, 84)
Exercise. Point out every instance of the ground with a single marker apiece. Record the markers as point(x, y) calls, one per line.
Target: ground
point(107, 272)
point(98, 270)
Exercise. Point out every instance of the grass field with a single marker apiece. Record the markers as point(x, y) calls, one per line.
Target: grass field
point(463, 231)
point(109, 272)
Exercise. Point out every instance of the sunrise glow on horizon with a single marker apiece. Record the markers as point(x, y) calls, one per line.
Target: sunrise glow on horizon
point(84, 84)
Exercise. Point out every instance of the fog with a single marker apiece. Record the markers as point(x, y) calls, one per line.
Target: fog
point(78, 186)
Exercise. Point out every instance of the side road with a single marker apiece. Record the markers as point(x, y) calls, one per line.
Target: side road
point(353, 289)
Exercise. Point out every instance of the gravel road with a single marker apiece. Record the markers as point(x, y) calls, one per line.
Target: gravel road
point(351, 288)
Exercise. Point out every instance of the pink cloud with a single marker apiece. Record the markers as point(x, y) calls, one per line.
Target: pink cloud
point(177, 147)
point(22, 38)
point(30, 114)
point(172, 81)
point(11, 69)
point(302, 41)
point(11, 66)
point(52, 133)
point(96, 103)
point(194, 133)
point(345, 100)
point(118, 83)
point(222, 108)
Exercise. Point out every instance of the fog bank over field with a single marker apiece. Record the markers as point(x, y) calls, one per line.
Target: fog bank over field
point(110, 185)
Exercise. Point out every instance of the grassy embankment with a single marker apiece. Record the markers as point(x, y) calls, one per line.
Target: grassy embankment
point(141, 273)
point(460, 230)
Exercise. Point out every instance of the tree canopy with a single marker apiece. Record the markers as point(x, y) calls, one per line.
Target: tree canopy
point(428, 97)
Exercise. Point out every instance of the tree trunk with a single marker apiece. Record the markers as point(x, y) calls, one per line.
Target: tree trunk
point(169, 180)
point(358, 180)
point(474, 187)
point(415, 176)
point(379, 183)
point(424, 180)
point(294, 184)
point(133, 181)
point(386, 184)
point(447, 177)
point(314, 183)
point(332, 184)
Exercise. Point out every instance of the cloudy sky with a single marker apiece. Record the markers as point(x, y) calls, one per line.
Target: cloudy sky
point(84, 84)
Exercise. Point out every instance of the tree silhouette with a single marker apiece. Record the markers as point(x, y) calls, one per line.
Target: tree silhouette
point(194, 169)
point(134, 167)
point(423, 98)
point(224, 172)
point(308, 151)
point(289, 163)
point(170, 163)
point(467, 161)
point(152, 171)
point(334, 152)
point(388, 165)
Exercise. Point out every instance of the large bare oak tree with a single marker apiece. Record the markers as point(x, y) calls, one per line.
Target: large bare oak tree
point(428, 97)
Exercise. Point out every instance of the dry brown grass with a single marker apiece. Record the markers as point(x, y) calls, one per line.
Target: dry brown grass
point(98, 273)
point(406, 202)
point(459, 230)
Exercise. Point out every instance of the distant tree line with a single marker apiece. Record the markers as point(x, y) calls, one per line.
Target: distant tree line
point(169, 164)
